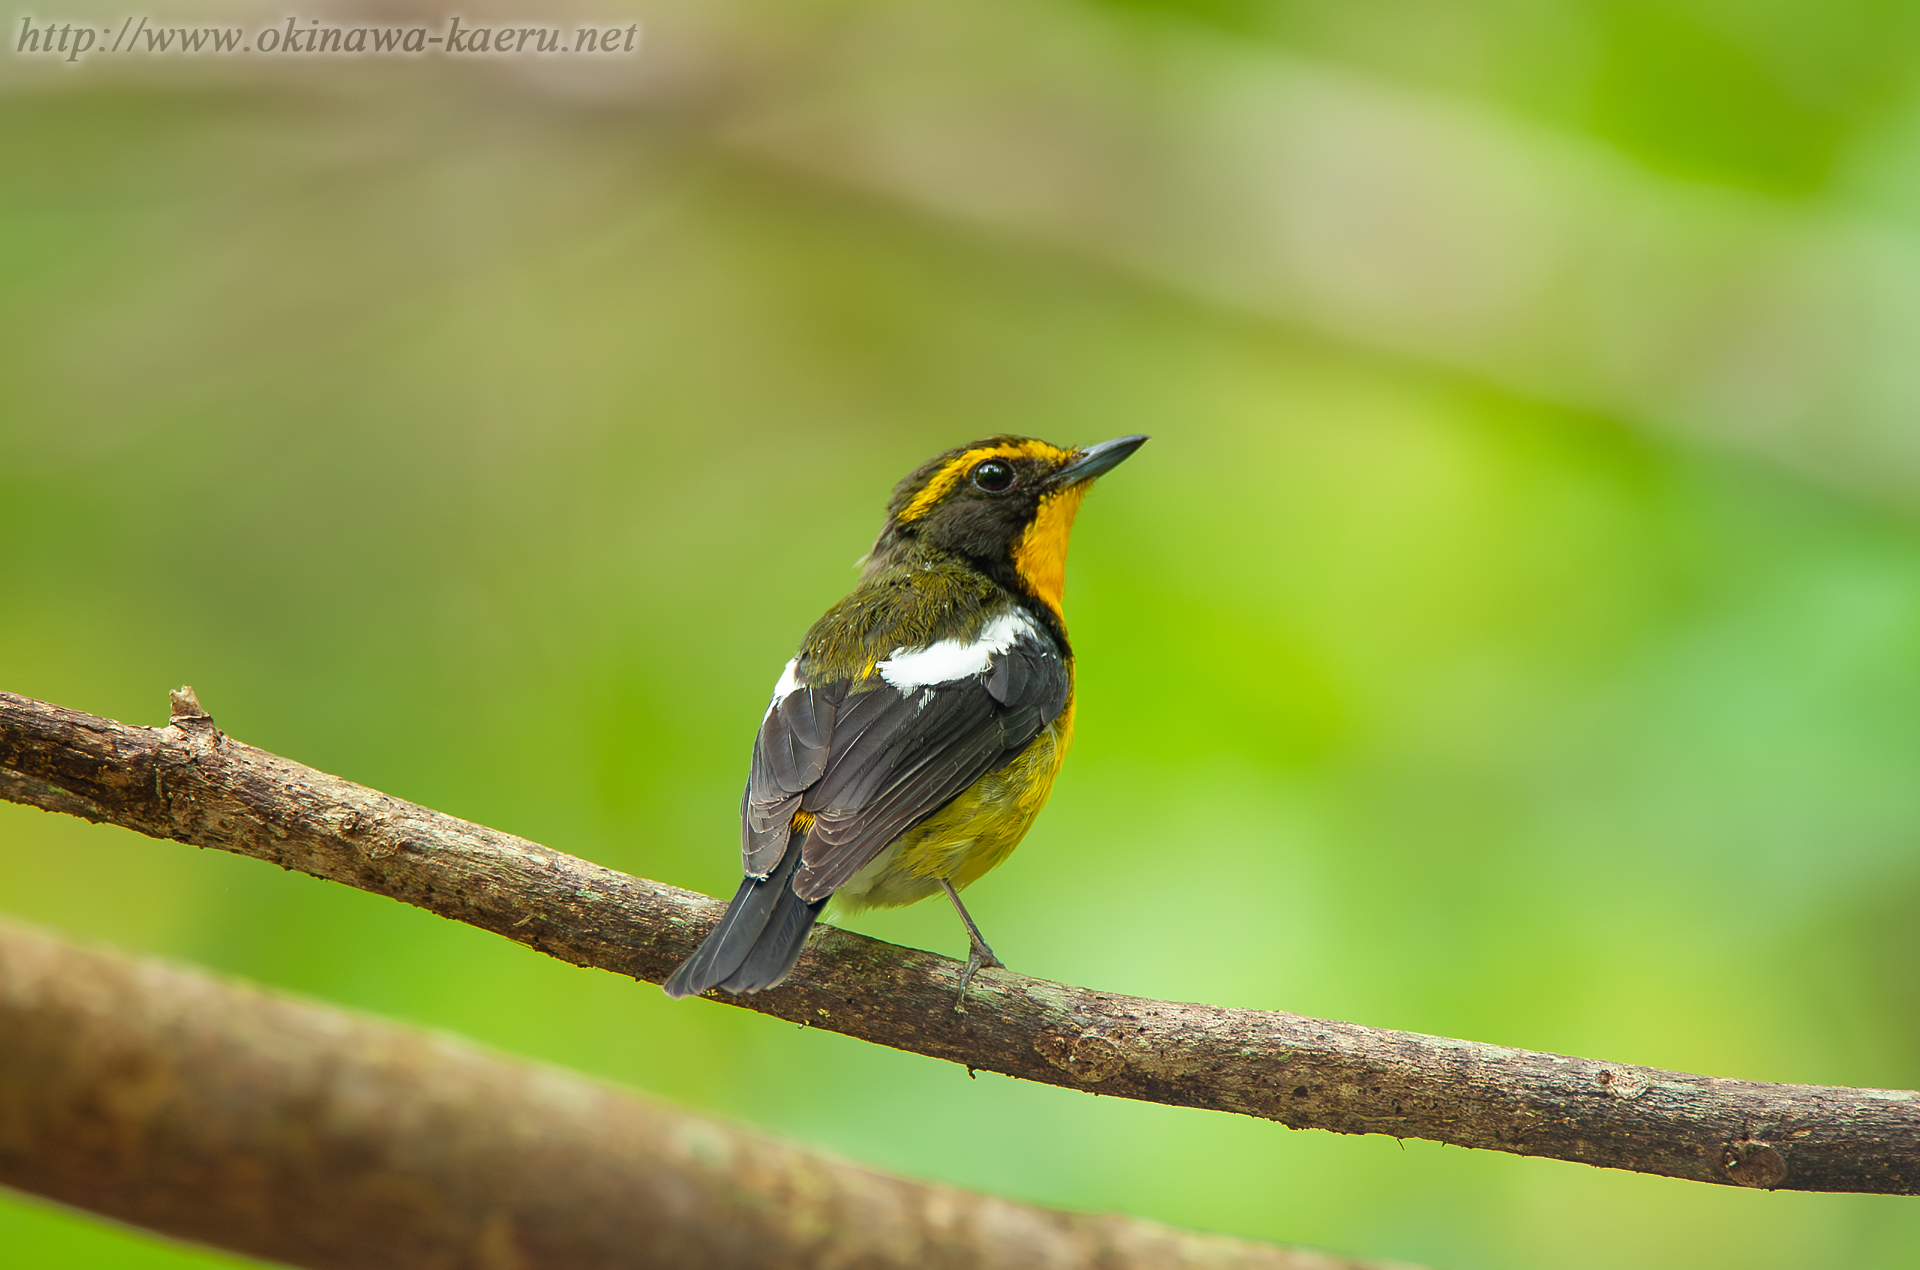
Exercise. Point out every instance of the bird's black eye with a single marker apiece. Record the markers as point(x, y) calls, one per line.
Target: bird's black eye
point(994, 476)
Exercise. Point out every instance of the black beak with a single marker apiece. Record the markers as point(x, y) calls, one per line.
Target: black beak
point(1095, 459)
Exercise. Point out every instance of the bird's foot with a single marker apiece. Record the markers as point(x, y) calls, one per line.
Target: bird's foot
point(978, 953)
point(979, 957)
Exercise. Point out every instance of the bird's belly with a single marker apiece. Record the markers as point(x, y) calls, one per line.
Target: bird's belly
point(970, 835)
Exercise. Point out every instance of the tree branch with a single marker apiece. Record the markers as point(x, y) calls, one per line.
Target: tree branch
point(190, 782)
point(306, 1135)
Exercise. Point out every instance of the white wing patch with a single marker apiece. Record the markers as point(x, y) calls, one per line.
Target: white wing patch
point(789, 682)
point(952, 659)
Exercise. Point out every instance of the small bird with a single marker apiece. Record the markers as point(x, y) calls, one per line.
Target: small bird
point(915, 737)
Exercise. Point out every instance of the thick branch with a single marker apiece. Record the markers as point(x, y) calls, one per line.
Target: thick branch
point(190, 782)
point(307, 1135)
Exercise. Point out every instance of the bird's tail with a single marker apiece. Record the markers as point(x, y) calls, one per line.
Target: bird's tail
point(758, 939)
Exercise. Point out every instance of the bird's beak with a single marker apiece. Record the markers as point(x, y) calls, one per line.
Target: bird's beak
point(1095, 459)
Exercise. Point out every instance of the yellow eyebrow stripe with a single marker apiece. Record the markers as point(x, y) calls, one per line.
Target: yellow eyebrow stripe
point(949, 476)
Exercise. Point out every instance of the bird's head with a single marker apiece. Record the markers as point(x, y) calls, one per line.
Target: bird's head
point(1006, 504)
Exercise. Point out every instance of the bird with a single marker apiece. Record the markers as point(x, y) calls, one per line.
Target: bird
point(913, 739)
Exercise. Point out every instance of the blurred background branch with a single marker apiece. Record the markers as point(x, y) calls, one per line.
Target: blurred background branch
point(190, 782)
point(227, 1116)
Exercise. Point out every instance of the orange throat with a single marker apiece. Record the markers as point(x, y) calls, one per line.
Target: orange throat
point(1041, 556)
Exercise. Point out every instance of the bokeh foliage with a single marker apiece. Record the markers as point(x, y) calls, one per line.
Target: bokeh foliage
point(495, 452)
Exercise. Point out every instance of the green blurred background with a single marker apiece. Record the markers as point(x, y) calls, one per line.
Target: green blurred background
point(489, 435)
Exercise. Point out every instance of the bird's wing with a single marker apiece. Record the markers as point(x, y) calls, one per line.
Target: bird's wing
point(869, 758)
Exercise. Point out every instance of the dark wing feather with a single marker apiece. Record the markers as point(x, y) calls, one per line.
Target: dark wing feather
point(870, 764)
point(742, 931)
point(1008, 678)
point(920, 781)
point(789, 755)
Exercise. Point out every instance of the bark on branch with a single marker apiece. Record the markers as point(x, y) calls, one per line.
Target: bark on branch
point(190, 782)
point(306, 1135)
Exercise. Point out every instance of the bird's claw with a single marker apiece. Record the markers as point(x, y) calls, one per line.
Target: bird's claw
point(978, 953)
point(979, 957)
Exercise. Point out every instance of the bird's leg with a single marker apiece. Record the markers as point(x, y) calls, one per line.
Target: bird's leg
point(978, 955)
